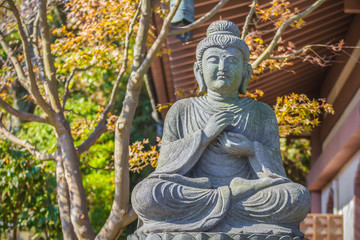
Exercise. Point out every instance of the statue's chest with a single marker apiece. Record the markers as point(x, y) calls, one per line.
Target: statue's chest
point(243, 123)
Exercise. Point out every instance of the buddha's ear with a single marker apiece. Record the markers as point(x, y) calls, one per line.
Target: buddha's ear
point(246, 78)
point(199, 77)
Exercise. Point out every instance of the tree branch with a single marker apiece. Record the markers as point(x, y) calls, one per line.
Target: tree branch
point(106, 168)
point(159, 41)
point(294, 53)
point(5, 77)
point(2, 5)
point(20, 114)
point(63, 198)
point(78, 114)
point(203, 19)
point(35, 52)
point(35, 29)
point(11, 54)
point(124, 64)
point(101, 126)
point(120, 212)
point(248, 19)
point(34, 90)
point(50, 70)
point(281, 30)
point(35, 45)
point(25, 27)
point(67, 83)
point(120, 209)
point(93, 137)
point(37, 58)
point(3, 84)
point(25, 144)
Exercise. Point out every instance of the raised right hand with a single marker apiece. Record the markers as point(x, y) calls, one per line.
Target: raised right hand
point(217, 123)
point(236, 144)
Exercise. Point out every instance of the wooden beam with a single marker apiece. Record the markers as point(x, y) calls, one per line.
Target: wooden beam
point(352, 6)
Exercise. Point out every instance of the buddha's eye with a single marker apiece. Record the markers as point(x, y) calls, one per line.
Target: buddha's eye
point(232, 60)
point(212, 60)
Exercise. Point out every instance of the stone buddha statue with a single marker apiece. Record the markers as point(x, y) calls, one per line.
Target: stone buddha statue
point(220, 168)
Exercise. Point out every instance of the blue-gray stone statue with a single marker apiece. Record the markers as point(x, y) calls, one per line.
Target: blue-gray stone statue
point(220, 168)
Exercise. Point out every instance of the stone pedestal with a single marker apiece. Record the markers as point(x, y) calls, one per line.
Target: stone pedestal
point(209, 236)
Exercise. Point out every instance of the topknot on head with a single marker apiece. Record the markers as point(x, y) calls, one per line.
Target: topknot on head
point(223, 27)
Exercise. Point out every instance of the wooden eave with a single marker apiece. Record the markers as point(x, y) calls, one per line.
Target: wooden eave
point(328, 24)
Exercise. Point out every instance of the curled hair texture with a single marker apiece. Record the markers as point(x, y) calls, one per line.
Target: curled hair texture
point(223, 26)
point(222, 34)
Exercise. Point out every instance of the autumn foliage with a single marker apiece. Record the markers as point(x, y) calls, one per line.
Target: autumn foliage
point(297, 114)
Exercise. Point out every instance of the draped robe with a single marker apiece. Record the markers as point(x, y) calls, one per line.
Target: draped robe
point(189, 190)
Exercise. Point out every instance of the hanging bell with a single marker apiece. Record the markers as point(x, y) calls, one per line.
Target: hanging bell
point(183, 16)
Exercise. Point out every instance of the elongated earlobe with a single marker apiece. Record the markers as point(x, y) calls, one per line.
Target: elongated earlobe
point(246, 79)
point(199, 78)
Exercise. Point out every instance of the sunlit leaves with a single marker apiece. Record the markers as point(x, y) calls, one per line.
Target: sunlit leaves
point(94, 34)
point(297, 114)
point(253, 95)
point(257, 47)
point(161, 107)
point(141, 155)
point(279, 12)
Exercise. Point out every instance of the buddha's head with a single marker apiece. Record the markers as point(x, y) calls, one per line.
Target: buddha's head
point(222, 59)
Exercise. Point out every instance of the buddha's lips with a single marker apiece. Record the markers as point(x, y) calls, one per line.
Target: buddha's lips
point(222, 76)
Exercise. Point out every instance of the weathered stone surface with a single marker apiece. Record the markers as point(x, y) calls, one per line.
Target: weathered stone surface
point(211, 236)
point(220, 167)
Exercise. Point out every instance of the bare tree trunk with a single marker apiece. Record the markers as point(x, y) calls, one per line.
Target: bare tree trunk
point(121, 212)
point(78, 207)
point(63, 199)
point(14, 233)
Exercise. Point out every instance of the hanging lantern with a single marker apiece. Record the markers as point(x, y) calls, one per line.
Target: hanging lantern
point(183, 16)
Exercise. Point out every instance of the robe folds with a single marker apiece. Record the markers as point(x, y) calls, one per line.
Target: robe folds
point(190, 188)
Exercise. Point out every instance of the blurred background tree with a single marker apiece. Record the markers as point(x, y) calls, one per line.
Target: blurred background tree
point(27, 195)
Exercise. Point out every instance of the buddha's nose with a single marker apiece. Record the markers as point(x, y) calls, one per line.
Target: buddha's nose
point(222, 65)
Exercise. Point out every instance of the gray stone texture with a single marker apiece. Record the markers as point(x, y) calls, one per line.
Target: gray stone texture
point(220, 171)
point(210, 236)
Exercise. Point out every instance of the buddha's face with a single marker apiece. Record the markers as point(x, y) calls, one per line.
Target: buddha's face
point(222, 69)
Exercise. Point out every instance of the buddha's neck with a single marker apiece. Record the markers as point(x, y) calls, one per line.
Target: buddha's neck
point(215, 97)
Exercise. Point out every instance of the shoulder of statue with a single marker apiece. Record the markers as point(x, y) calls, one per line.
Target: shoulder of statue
point(266, 108)
point(262, 108)
point(178, 107)
point(182, 103)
